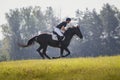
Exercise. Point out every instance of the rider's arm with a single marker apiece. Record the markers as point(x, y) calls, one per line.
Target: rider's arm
point(63, 28)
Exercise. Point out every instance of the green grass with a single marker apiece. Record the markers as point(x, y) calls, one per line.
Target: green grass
point(100, 68)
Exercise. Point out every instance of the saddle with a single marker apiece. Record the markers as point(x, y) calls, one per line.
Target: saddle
point(55, 36)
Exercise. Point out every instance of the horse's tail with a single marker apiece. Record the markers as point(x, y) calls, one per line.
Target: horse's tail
point(30, 42)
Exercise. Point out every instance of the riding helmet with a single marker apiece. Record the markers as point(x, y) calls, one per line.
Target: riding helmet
point(68, 19)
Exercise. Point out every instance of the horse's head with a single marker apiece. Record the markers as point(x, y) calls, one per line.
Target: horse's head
point(76, 30)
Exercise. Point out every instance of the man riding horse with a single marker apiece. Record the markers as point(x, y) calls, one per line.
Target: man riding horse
point(45, 39)
point(60, 29)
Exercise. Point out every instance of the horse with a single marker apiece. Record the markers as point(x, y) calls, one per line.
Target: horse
point(45, 40)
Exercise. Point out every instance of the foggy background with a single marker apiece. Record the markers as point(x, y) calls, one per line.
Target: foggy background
point(101, 32)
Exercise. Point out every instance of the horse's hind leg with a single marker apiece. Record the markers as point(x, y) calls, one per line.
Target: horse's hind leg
point(44, 52)
point(38, 50)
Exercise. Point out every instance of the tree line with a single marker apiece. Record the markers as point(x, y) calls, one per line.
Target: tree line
point(101, 32)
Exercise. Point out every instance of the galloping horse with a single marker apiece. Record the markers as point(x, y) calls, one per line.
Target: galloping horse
point(46, 40)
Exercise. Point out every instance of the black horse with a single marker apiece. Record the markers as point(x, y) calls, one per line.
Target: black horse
point(46, 40)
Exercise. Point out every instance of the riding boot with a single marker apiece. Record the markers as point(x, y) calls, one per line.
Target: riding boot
point(60, 40)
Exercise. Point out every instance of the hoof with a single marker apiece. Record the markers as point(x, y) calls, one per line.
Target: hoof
point(55, 57)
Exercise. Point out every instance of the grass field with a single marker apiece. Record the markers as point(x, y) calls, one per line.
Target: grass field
point(99, 68)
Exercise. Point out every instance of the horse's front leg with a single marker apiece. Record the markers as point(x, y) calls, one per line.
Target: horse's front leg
point(61, 54)
point(66, 49)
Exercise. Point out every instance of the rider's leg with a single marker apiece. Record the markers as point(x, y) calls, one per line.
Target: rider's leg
point(60, 40)
point(60, 35)
point(58, 31)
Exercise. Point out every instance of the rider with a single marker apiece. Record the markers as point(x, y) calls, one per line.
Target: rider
point(60, 29)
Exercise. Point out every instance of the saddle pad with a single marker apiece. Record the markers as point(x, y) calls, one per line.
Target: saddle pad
point(54, 37)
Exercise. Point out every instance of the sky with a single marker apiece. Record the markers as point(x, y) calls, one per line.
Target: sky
point(62, 8)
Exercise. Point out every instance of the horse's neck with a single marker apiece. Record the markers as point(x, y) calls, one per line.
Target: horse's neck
point(68, 35)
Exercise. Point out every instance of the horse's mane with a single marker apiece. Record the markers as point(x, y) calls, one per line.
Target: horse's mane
point(70, 28)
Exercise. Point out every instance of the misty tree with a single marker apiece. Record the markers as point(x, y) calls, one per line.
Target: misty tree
point(51, 19)
point(4, 50)
point(5, 46)
point(14, 19)
point(110, 23)
point(91, 28)
point(23, 24)
point(101, 32)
